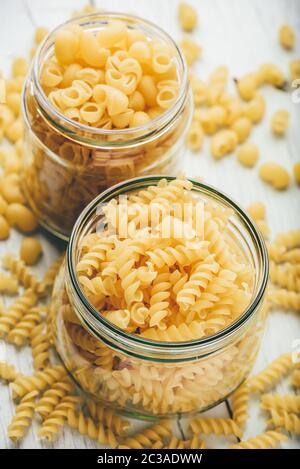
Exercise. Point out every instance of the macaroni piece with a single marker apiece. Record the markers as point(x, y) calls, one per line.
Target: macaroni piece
point(195, 136)
point(191, 50)
point(287, 37)
point(255, 109)
point(246, 86)
point(274, 174)
point(187, 16)
point(271, 74)
point(223, 142)
point(248, 155)
point(40, 34)
point(242, 126)
point(21, 217)
point(280, 122)
point(30, 251)
point(294, 69)
point(257, 210)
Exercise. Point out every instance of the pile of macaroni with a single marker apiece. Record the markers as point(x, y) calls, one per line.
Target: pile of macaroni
point(116, 78)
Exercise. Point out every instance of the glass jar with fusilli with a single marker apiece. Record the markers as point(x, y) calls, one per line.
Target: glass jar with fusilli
point(158, 308)
point(107, 99)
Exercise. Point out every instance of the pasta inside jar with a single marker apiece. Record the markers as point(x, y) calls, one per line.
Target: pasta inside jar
point(107, 99)
point(158, 309)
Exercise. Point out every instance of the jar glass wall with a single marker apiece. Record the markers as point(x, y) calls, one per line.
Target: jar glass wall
point(148, 378)
point(68, 163)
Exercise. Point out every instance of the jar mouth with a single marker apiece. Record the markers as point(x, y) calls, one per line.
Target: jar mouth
point(74, 127)
point(95, 321)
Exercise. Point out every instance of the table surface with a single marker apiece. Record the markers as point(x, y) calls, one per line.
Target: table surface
point(242, 35)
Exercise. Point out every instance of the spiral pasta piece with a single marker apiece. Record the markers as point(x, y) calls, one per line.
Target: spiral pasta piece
point(82, 338)
point(265, 440)
point(267, 378)
point(8, 284)
point(7, 372)
point(16, 311)
point(23, 417)
point(20, 334)
point(38, 381)
point(287, 278)
point(57, 418)
point(286, 299)
point(290, 239)
point(50, 275)
point(289, 422)
point(52, 397)
point(40, 345)
point(22, 272)
point(147, 437)
point(106, 416)
point(240, 402)
point(218, 426)
point(87, 427)
point(193, 443)
point(174, 333)
point(280, 403)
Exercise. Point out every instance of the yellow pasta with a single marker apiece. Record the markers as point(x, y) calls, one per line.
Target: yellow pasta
point(38, 381)
point(294, 69)
point(286, 299)
point(7, 372)
point(57, 418)
point(218, 426)
point(147, 437)
point(240, 401)
point(275, 175)
point(16, 311)
point(20, 334)
point(269, 439)
point(296, 170)
point(280, 122)
point(87, 426)
point(272, 374)
point(223, 142)
point(280, 403)
point(8, 284)
point(247, 86)
point(242, 127)
point(257, 211)
point(285, 420)
point(248, 154)
point(52, 397)
point(187, 16)
point(23, 417)
point(30, 250)
point(22, 217)
point(191, 50)
point(286, 37)
point(195, 136)
point(287, 278)
point(23, 273)
point(295, 380)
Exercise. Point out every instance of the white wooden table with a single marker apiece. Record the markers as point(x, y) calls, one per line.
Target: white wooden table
point(242, 35)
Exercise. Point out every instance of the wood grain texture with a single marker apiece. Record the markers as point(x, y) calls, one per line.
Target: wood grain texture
point(242, 35)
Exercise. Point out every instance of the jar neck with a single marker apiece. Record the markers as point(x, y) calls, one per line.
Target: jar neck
point(163, 351)
point(84, 134)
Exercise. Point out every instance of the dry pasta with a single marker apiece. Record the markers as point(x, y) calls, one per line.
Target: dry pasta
point(218, 426)
point(286, 36)
point(7, 372)
point(275, 175)
point(87, 426)
point(30, 251)
point(267, 378)
point(280, 403)
point(187, 16)
point(285, 420)
point(280, 122)
point(240, 401)
point(23, 274)
point(38, 381)
point(8, 284)
point(269, 439)
point(23, 417)
point(16, 311)
point(57, 418)
point(286, 299)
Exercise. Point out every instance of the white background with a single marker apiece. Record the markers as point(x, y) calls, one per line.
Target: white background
point(241, 34)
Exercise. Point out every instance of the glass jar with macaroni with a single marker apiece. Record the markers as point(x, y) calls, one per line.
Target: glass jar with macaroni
point(107, 99)
point(158, 307)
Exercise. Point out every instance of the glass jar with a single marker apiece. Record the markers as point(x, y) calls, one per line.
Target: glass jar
point(142, 377)
point(68, 163)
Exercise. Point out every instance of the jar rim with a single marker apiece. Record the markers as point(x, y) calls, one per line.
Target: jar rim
point(163, 119)
point(214, 341)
